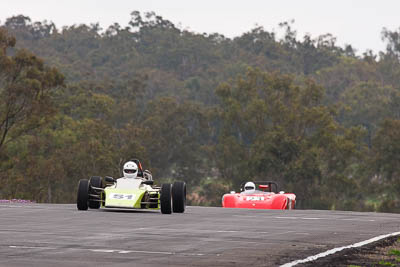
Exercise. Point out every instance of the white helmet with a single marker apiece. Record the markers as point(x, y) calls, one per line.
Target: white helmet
point(130, 170)
point(249, 187)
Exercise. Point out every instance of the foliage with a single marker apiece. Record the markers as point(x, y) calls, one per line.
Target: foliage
point(203, 108)
point(394, 252)
point(26, 85)
point(274, 129)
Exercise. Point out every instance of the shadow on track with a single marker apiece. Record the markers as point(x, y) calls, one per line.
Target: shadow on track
point(118, 210)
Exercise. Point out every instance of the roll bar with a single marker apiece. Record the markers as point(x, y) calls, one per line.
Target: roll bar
point(270, 186)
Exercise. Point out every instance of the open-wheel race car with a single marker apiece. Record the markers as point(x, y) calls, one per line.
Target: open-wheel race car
point(267, 196)
point(131, 192)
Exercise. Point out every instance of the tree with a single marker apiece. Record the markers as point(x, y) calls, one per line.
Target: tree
point(26, 86)
point(384, 164)
point(176, 134)
point(276, 129)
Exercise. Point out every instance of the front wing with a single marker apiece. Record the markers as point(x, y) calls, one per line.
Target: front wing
point(128, 198)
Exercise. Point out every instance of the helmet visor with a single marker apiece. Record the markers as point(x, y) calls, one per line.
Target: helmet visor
point(249, 188)
point(130, 171)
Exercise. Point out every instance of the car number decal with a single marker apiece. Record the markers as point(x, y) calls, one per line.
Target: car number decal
point(254, 198)
point(121, 196)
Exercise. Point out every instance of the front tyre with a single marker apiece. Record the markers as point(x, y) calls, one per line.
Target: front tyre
point(166, 199)
point(179, 197)
point(83, 194)
point(94, 200)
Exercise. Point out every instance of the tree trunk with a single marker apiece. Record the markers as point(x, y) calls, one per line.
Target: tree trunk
point(48, 191)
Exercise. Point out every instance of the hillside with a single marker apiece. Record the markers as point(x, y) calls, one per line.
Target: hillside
point(210, 110)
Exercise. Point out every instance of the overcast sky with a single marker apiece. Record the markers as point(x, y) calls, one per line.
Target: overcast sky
point(355, 22)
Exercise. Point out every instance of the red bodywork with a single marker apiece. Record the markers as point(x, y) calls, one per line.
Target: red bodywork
point(259, 200)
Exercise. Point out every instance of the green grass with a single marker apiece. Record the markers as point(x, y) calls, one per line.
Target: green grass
point(394, 252)
point(385, 263)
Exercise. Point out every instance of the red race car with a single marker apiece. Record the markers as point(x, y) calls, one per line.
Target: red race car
point(267, 196)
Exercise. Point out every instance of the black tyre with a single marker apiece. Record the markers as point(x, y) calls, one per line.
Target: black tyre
point(96, 181)
point(179, 197)
point(94, 202)
point(166, 199)
point(83, 194)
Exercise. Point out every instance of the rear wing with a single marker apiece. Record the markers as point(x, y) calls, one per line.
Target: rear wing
point(266, 186)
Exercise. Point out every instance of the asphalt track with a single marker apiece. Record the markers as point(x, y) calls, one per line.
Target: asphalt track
point(60, 235)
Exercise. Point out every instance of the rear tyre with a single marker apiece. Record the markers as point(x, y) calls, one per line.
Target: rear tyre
point(166, 198)
point(83, 194)
point(179, 197)
point(94, 202)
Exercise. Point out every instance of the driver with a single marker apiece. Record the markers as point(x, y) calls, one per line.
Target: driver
point(130, 170)
point(249, 188)
point(133, 170)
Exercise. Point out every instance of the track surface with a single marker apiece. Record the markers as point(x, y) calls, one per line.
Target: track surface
point(60, 235)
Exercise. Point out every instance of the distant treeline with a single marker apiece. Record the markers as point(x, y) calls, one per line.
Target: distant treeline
point(317, 118)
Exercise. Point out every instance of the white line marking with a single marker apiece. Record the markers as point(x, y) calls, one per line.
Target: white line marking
point(332, 251)
point(150, 252)
point(317, 218)
point(27, 247)
point(197, 230)
point(240, 241)
point(131, 251)
point(145, 252)
point(117, 251)
point(357, 220)
point(124, 252)
point(103, 250)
